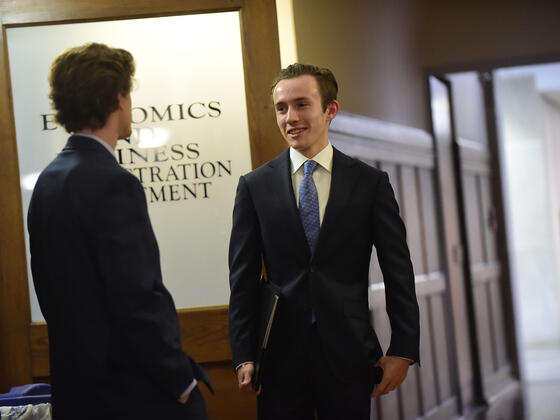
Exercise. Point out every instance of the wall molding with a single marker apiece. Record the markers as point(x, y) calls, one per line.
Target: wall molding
point(376, 140)
point(485, 272)
point(474, 156)
point(429, 284)
point(204, 336)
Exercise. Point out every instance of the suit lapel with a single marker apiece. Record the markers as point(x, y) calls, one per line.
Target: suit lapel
point(279, 183)
point(343, 180)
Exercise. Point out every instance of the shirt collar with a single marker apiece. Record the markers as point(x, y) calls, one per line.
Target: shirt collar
point(103, 143)
point(323, 158)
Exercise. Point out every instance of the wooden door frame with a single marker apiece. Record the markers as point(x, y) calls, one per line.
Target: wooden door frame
point(24, 349)
point(465, 252)
point(454, 257)
point(512, 333)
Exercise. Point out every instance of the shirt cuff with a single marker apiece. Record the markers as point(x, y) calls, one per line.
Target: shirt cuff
point(243, 364)
point(189, 389)
point(406, 358)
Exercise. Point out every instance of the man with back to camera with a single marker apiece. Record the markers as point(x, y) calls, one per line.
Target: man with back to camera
point(114, 339)
point(312, 215)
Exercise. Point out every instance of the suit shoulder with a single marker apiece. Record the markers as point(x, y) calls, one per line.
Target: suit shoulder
point(259, 173)
point(371, 170)
point(359, 165)
point(118, 178)
point(71, 173)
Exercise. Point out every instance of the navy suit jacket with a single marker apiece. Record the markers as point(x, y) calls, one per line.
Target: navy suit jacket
point(333, 282)
point(114, 338)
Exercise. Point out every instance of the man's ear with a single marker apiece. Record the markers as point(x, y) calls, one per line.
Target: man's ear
point(332, 110)
point(120, 98)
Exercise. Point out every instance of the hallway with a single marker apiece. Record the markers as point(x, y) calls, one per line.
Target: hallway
point(543, 382)
point(544, 401)
point(542, 390)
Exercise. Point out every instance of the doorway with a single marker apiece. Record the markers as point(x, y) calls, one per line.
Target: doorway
point(528, 122)
point(505, 136)
point(471, 202)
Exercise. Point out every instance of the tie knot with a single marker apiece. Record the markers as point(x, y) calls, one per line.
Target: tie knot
point(309, 167)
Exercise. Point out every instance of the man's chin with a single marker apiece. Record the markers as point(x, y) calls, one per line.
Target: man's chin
point(125, 136)
point(295, 144)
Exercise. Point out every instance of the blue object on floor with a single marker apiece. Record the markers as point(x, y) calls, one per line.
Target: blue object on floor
point(26, 394)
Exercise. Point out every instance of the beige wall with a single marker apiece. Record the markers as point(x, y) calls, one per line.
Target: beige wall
point(497, 31)
point(379, 50)
point(368, 46)
point(286, 32)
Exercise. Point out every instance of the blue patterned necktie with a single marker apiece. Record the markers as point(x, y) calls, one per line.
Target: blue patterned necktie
point(309, 205)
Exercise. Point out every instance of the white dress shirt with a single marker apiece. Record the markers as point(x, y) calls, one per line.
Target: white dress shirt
point(322, 175)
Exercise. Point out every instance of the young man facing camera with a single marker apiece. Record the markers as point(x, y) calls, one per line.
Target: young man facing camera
point(114, 339)
point(313, 215)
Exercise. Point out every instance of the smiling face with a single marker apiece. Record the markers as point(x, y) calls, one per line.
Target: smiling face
point(300, 115)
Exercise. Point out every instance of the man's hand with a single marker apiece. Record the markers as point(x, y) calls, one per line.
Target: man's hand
point(244, 376)
point(394, 373)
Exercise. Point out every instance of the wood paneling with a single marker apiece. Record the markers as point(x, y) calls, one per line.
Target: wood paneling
point(15, 316)
point(427, 390)
point(441, 351)
point(429, 387)
point(374, 140)
point(485, 268)
point(39, 342)
point(489, 219)
point(463, 336)
point(30, 12)
point(409, 204)
point(484, 338)
point(502, 358)
point(411, 209)
point(428, 384)
point(386, 405)
point(472, 212)
point(204, 333)
point(204, 336)
point(430, 226)
point(409, 394)
point(259, 30)
point(228, 402)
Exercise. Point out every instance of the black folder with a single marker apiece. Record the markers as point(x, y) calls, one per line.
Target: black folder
point(269, 295)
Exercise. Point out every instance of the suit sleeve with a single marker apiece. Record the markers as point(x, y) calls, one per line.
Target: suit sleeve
point(143, 312)
point(245, 267)
point(398, 274)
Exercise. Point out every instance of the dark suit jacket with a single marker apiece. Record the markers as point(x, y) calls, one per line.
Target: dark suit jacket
point(333, 282)
point(114, 336)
